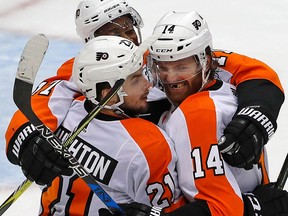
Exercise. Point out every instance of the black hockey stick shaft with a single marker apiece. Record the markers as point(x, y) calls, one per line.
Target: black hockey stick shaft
point(14, 196)
point(283, 175)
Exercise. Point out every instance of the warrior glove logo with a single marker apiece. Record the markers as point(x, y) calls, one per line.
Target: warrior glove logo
point(101, 55)
point(261, 118)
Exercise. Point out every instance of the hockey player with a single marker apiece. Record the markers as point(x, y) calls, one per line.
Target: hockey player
point(124, 163)
point(202, 106)
point(117, 148)
point(189, 42)
point(252, 78)
point(116, 18)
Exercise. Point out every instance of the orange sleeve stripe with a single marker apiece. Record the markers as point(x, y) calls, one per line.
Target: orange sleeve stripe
point(65, 70)
point(16, 122)
point(40, 105)
point(244, 68)
point(264, 169)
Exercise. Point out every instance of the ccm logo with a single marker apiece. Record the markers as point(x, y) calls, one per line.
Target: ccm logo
point(164, 50)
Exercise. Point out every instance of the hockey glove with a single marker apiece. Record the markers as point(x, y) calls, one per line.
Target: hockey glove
point(40, 162)
point(198, 207)
point(134, 209)
point(266, 200)
point(244, 137)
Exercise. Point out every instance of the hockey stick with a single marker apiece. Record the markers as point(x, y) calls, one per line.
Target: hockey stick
point(27, 70)
point(31, 59)
point(15, 195)
point(26, 183)
point(283, 175)
point(24, 81)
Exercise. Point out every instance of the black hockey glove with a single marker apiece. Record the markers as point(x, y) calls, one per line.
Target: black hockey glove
point(244, 137)
point(266, 200)
point(134, 209)
point(40, 162)
point(198, 207)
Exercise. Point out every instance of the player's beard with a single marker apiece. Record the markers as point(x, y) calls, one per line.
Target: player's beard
point(134, 112)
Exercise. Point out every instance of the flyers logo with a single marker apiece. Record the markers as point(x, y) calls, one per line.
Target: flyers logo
point(101, 55)
point(196, 24)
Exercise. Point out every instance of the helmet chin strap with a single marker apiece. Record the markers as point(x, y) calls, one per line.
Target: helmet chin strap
point(115, 106)
point(203, 62)
point(139, 35)
point(119, 111)
point(204, 79)
point(121, 94)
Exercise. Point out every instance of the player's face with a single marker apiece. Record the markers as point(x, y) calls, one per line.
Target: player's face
point(121, 26)
point(137, 88)
point(180, 78)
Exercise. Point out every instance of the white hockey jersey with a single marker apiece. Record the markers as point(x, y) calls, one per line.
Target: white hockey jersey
point(132, 159)
point(195, 128)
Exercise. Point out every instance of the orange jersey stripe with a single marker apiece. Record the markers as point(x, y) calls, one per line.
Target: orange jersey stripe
point(50, 195)
point(18, 120)
point(202, 127)
point(158, 166)
point(264, 169)
point(244, 68)
point(78, 204)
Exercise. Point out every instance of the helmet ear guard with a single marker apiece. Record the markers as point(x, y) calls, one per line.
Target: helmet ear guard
point(104, 59)
point(93, 14)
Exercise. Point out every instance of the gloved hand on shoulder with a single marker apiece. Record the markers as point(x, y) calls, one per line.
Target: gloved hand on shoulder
point(40, 162)
point(198, 207)
point(266, 200)
point(134, 209)
point(245, 136)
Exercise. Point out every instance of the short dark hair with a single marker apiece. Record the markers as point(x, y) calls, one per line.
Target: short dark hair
point(213, 65)
point(99, 87)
